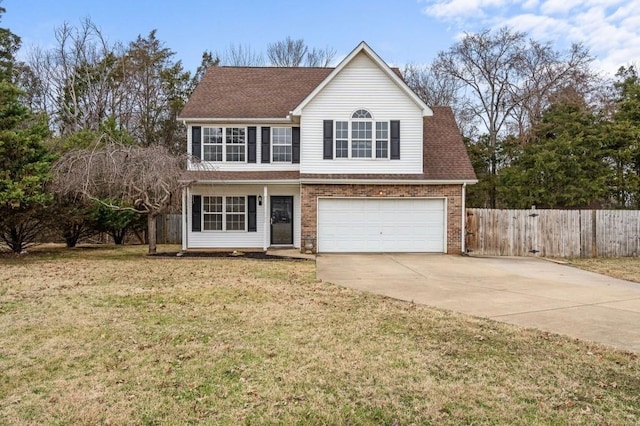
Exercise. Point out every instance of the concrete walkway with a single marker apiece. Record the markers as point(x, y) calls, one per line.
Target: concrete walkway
point(525, 291)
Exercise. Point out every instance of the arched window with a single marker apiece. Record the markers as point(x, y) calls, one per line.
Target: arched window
point(355, 138)
point(361, 134)
point(361, 113)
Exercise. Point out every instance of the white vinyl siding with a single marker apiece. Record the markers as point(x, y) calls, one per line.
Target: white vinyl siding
point(361, 84)
point(381, 225)
point(241, 239)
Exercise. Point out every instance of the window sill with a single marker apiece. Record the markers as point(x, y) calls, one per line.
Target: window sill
point(210, 231)
point(361, 159)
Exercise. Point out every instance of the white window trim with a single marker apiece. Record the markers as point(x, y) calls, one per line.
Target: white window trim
point(290, 145)
point(224, 215)
point(206, 144)
point(375, 140)
point(350, 139)
point(224, 143)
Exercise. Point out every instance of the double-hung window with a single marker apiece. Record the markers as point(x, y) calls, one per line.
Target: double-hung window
point(281, 142)
point(235, 213)
point(342, 139)
point(382, 139)
point(224, 144)
point(212, 212)
point(212, 143)
point(224, 213)
point(361, 134)
point(236, 143)
point(362, 137)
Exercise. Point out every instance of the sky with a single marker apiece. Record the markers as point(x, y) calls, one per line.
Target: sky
point(400, 31)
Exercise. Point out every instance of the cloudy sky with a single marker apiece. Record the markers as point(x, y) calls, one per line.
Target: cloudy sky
point(610, 28)
point(401, 31)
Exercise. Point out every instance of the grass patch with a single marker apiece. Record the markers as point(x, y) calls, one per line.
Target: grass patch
point(626, 268)
point(113, 336)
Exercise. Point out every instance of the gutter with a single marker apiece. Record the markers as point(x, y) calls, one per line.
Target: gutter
point(237, 120)
point(320, 181)
point(241, 182)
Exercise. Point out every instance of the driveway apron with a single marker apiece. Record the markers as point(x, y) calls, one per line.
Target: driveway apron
point(529, 292)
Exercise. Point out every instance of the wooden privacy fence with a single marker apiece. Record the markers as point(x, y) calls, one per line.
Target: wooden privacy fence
point(169, 229)
point(553, 233)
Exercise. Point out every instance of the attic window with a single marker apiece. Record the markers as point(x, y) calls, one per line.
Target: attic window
point(361, 113)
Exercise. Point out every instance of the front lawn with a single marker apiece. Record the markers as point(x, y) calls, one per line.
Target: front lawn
point(108, 335)
point(626, 268)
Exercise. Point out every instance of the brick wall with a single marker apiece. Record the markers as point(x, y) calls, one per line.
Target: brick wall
point(453, 193)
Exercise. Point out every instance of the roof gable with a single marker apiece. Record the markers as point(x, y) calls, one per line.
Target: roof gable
point(392, 74)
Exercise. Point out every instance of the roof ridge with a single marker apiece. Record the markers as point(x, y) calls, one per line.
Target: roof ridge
point(272, 67)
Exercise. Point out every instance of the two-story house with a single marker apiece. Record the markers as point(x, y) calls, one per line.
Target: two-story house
point(344, 159)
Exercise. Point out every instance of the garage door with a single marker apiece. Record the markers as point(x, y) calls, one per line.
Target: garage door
point(380, 225)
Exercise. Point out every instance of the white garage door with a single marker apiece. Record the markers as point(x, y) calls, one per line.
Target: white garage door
point(380, 225)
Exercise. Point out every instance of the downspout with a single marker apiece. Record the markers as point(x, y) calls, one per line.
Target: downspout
point(464, 216)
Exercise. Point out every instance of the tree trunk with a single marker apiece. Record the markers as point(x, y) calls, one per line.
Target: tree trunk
point(118, 236)
point(71, 235)
point(16, 244)
point(151, 232)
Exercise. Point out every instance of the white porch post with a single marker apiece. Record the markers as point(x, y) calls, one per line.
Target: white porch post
point(185, 222)
point(267, 223)
point(464, 217)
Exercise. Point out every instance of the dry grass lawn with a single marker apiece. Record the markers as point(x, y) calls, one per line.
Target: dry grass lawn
point(110, 336)
point(626, 268)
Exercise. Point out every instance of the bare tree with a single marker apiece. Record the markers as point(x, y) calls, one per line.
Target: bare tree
point(504, 75)
point(238, 55)
point(74, 82)
point(295, 53)
point(320, 57)
point(438, 89)
point(547, 74)
point(140, 179)
point(287, 53)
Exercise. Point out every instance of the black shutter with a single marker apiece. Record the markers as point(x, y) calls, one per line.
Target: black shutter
point(196, 213)
point(328, 140)
point(266, 144)
point(295, 145)
point(395, 139)
point(196, 146)
point(251, 209)
point(251, 141)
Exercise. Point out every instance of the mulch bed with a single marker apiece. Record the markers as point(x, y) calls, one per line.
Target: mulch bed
point(228, 254)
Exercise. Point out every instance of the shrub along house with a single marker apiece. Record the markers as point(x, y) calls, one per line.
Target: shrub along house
point(344, 159)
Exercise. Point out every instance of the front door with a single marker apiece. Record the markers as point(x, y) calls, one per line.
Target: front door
point(281, 220)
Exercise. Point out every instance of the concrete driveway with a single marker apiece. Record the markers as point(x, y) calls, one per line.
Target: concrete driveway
point(523, 291)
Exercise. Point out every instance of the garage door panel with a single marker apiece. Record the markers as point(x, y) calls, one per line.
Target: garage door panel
point(381, 225)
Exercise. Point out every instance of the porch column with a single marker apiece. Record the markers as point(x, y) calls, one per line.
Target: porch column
point(267, 222)
point(464, 218)
point(185, 215)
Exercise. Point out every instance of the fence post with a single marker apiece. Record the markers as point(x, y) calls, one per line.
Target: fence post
point(594, 232)
point(534, 231)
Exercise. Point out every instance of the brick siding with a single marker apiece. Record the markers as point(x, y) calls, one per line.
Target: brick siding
point(453, 194)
